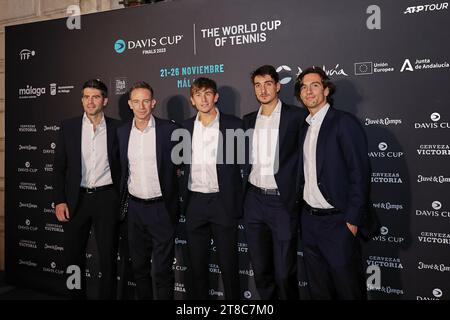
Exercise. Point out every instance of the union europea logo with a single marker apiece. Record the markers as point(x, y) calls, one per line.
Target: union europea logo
point(120, 46)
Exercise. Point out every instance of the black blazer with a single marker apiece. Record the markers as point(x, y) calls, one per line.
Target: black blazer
point(67, 161)
point(290, 121)
point(228, 175)
point(342, 164)
point(167, 171)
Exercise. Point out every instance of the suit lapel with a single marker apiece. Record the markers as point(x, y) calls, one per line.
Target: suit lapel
point(322, 140)
point(78, 138)
point(302, 136)
point(284, 123)
point(124, 151)
point(221, 149)
point(109, 138)
point(159, 142)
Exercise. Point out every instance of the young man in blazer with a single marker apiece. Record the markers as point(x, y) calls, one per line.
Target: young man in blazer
point(212, 187)
point(145, 154)
point(270, 206)
point(334, 181)
point(86, 186)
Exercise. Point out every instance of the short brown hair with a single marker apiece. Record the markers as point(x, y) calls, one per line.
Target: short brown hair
point(140, 85)
point(203, 83)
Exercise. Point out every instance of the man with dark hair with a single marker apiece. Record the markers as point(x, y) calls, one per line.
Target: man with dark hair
point(149, 176)
point(86, 180)
point(270, 206)
point(212, 191)
point(334, 180)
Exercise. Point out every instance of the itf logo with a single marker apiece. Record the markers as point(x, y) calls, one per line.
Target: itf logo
point(120, 46)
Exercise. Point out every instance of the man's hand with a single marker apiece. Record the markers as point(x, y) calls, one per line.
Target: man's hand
point(353, 229)
point(62, 212)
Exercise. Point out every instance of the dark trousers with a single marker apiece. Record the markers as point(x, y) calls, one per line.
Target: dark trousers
point(271, 233)
point(98, 209)
point(151, 243)
point(206, 217)
point(332, 256)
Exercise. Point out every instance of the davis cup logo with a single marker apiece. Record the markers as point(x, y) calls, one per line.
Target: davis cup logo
point(436, 205)
point(285, 79)
point(435, 116)
point(437, 293)
point(120, 46)
point(384, 230)
point(382, 146)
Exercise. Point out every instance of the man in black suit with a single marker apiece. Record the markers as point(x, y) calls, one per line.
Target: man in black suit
point(334, 180)
point(149, 175)
point(212, 188)
point(270, 206)
point(86, 180)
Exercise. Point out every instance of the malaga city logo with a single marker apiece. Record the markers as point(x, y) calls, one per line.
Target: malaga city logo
point(120, 46)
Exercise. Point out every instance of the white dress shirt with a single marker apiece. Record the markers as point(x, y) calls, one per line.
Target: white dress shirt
point(311, 192)
point(264, 149)
point(95, 171)
point(143, 181)
point(205, 141)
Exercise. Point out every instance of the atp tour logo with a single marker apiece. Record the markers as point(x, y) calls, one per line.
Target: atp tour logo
point(26, 54)
point(426, 8)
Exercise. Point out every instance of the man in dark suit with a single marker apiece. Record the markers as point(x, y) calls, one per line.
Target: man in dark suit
point(212, 188)
point(149, 175)
point(86, 180)
point(270, 206)
point(334, 178)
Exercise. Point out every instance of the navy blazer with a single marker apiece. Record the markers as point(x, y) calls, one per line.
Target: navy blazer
point(167, 171)
point(67, 161)
point(290, 121)
point(342, 164)
point(228, 175)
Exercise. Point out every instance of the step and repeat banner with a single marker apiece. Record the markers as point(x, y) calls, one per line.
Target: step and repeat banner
point(389, 60)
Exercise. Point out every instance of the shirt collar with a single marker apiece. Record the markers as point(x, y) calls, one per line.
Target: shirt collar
point(277, 110)
point(319, 116)
point(86, 120)
point(216, 119)
point(150, 124)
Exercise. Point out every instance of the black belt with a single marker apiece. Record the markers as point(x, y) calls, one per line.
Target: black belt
point(266, 192)
point(96, 189)
point(146, 201)
point(320, 212)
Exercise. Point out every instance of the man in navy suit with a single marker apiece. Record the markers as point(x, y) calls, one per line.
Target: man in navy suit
point(86, 186)
point(270, 206)
point(334, 180)
point(149, 176)
point(212, 186)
